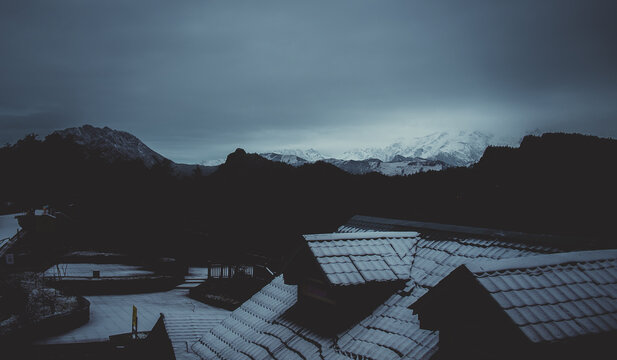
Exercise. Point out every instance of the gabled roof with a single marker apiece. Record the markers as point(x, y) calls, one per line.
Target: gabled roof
point(555, 297)
point(260, 329)
point(361, 258)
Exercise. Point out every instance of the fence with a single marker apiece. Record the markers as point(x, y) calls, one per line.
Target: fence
point(224, 271)
point(221, 271)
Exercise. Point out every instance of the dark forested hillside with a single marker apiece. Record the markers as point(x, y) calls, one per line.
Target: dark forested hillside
point(556, 183)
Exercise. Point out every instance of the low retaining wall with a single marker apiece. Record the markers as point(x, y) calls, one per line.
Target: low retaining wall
point(227, 293)
point(73, 351)
point(215, 300)
point(51, 325)
point(100, 258)
point(163, 266)
point(115, 285)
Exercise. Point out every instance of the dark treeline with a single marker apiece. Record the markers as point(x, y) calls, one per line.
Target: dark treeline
point(556, 183)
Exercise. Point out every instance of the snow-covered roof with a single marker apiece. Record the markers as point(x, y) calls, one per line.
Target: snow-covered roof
point(184, 328)
point(555, 297)
point(360, 258)
point(260, 329)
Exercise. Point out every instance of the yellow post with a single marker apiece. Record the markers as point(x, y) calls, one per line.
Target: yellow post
point(134, 324)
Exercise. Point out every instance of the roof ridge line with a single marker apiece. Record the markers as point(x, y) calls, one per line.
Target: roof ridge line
point(360, 235)
point(528, 262)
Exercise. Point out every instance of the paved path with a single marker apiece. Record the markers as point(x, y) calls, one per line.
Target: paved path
point(111, 314)
point(194, 278)
point(106, 270)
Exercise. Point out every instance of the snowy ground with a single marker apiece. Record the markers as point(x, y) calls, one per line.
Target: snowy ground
point(85, 270)
point(8, 226)
point(111, 314)
point(197, 272)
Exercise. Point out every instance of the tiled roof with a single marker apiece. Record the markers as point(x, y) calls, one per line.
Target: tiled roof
point(260, 329)
point(353, 259)
point(555, 297)
point(184, 328)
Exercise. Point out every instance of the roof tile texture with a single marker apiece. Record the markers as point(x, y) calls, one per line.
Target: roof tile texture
point(390, 332)
point(554, 300)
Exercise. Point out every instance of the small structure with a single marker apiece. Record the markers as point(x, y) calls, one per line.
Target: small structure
point(558, 306)
point(342, 276)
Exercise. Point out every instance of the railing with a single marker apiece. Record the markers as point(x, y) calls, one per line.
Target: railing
point(224, 271)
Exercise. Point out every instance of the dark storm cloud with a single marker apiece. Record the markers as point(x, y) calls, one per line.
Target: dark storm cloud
point(195, 79)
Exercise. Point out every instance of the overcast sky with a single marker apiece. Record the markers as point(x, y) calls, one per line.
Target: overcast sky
point(196, 79)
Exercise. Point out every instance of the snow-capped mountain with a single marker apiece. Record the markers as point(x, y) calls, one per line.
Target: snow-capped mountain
point(433, 152)
point(436, 151)
point(455, 149)
point(120, 145)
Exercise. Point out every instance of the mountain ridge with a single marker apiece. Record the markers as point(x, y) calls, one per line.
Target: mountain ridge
point(116, 145)
point(461, 148)
point(121, 145)
point(434, 152)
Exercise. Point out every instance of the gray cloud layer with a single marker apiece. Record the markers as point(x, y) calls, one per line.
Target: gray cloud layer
point(195, 79)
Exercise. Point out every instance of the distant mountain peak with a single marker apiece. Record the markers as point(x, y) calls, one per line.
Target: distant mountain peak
point(112, 144)
point(436, 151)
point(461, 148)
point(116, 145)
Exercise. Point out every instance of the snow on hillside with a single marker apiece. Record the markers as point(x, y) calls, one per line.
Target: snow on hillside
point(113, 144)
point(410, 168)
point(215, 162)
point(455, 149)
point(293, 157)
point(310, 155)
point(285, 158)
point(436, 151)
point(405, 157)
point(398, 166)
